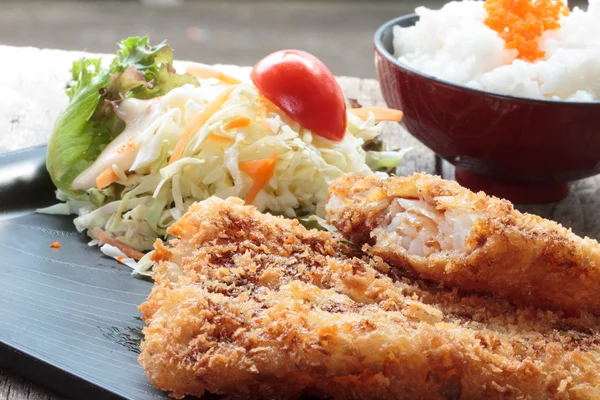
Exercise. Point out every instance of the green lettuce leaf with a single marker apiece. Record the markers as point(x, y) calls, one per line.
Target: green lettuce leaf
point(314, 222)
point(88, 123)
point(100, 197)
point(385, 161)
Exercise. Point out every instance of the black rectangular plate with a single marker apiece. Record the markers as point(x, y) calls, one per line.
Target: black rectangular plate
point(68, 316)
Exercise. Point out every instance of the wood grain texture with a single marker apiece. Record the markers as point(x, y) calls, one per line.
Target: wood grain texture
point(33, 97)
point(15, 388)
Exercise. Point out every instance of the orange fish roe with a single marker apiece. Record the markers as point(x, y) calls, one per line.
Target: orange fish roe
point(521, 23)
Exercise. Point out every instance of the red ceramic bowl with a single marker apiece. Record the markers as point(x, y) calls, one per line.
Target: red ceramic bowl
point(525, 150)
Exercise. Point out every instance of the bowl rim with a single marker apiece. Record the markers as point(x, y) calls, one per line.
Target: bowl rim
point(377, 41)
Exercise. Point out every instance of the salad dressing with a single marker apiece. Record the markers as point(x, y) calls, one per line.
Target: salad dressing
point(138, 116)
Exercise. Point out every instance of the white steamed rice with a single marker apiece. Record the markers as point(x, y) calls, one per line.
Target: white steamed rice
point(455, 45)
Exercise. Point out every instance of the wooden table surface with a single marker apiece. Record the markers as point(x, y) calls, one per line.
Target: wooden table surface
point(32, 84)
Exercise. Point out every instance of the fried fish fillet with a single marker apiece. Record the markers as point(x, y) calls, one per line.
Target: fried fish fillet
point(254, 306)
point(441, 231)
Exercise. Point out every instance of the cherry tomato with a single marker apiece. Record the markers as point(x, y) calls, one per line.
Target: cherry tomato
point(305, 89)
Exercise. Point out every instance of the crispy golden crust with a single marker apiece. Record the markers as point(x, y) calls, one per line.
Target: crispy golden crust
point(254, 306)
point(521, 257)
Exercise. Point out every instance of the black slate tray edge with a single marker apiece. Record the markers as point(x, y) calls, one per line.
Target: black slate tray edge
point(55, 379)
point(12, 359)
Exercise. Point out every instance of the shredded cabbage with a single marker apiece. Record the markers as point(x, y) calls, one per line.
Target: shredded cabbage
point(112, 251)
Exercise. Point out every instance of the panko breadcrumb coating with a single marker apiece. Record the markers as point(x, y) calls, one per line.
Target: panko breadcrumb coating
point(440, 231)
point(254, 306)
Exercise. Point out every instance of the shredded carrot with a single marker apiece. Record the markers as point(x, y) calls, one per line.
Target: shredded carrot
point(263, 122)
point(197, 122)
point(240, 122)
point(104, 237)
point(55, 245)
point(214, 137)
point(203, 71)
point(380, 113)
point(120, 258)
point(522, 22)
point(260, 171)
point(106, 178)
point(264, 105)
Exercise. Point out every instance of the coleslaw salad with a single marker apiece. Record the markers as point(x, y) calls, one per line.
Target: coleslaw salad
point(215, 136)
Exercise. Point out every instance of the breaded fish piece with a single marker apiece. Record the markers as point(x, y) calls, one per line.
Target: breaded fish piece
point(254, 306)
point(443, 232)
